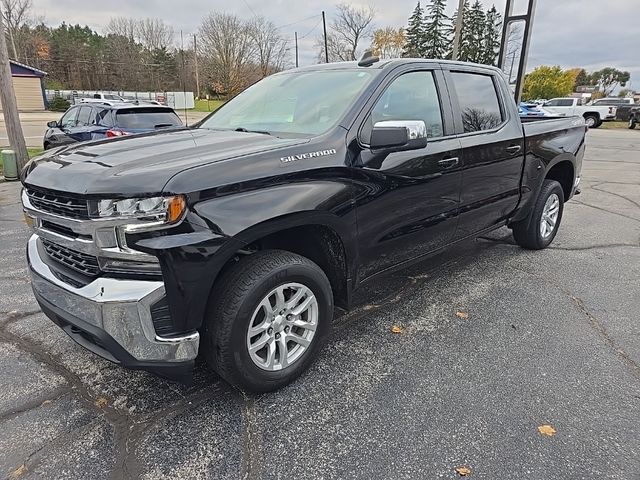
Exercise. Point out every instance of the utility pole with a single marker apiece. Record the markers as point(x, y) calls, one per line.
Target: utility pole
point(326, 50)
point(457, 36)
point(9, 104)
point(296, 36)
point(195, 58)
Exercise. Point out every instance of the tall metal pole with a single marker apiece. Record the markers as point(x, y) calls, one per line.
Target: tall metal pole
point(195, 58)
point(326, 50)
point(509, 19)
point(10, 105)
point(296, 35)
point(458, 33)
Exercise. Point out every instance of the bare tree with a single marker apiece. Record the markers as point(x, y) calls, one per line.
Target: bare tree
point(154, 34)
point(338, 50)
point(349, 29)
point(270, 46)
point(226, 48)
point(15, 13)
point(124, 27)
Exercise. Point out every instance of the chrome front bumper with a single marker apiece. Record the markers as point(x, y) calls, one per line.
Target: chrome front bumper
point(110, 316)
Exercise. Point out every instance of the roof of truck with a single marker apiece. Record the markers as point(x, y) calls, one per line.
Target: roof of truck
point(388, 63)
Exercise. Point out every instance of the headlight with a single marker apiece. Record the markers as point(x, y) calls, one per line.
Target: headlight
point(157, 209)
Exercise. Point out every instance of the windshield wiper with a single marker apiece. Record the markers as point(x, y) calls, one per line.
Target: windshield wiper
point(245, 130)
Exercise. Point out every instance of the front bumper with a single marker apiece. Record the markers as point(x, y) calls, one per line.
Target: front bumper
point(111, 317)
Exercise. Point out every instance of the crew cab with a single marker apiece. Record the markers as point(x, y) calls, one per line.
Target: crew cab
point(593, 115)
point(234, 239)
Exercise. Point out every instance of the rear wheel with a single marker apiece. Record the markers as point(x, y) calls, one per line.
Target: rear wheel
point(267, 319)
point(632, 122)
point(592, 121)
point(540, 228)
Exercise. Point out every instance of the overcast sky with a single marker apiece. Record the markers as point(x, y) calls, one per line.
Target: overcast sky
point(570, 33)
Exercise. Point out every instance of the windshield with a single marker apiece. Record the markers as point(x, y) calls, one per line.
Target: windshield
point(308, 103)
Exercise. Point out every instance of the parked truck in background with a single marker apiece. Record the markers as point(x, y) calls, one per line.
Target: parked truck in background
point(593, 115)
point(235, 239)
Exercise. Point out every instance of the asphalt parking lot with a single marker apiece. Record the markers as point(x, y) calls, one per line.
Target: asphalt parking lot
point(550, 338)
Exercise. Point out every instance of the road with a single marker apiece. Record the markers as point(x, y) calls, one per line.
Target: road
point(551, 338)
point(34, 125)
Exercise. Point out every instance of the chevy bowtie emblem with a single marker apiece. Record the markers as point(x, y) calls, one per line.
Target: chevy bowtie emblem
point(302, 156)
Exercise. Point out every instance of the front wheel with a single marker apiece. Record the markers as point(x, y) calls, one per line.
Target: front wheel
point(540, 228)
point(267, 318)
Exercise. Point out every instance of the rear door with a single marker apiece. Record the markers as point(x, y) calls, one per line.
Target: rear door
point(492, 144)
point(407, 202)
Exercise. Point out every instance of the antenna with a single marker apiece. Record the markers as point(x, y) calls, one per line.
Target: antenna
point(367, 59)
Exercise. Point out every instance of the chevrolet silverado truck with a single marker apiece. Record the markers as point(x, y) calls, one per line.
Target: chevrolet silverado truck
point(234, 239)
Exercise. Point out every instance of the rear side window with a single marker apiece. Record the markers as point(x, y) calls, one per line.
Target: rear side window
point(560, 102)
point(102, 117)
point(478, 100)
point(147, 119)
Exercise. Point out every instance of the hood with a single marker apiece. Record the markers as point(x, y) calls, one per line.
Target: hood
point(141, 164)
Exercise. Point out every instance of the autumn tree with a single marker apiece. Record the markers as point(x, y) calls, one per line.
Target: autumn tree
point(435, 39)
point(548, 82)
point(414, 43)
point(388, 42)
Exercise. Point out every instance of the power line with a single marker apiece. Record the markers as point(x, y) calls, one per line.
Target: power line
point(249, 7)
point(310, 31)
point(298, 21)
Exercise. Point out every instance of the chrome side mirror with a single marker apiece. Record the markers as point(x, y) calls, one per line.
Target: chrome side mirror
point(398, 135)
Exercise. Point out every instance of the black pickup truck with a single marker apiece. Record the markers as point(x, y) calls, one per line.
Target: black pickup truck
point(235, 239)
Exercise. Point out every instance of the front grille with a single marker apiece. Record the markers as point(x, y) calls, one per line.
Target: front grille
point(58, 204)
point(80, 262)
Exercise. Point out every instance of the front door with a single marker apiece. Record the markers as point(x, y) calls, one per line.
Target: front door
point(407, 202)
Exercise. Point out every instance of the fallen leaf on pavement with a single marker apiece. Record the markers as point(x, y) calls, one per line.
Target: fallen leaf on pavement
point(101, 402)
point(397, 329)
point(463, 471)
point(18, 472)
point(46, 402)
point(463, 315)
point(547, 430)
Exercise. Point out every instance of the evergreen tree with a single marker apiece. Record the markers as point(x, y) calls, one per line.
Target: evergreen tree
point(474, 51)
point(436, 38)
point(414, 47)
point(492, 36)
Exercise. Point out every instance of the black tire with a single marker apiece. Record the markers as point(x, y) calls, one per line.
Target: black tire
point(47, 146)
point(592, 118)
point(527, 232)
point(632, 123)
point(232, 303)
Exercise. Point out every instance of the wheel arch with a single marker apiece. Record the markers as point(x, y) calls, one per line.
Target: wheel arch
point(562, 170)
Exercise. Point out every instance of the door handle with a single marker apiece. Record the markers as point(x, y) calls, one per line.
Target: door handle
point(513, 149)
point(448, 162)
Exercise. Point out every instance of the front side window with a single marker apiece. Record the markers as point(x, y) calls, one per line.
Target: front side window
point(478, 100)
point(83, 116)
point(412, 96)
point(68, 120)
point(292, 104)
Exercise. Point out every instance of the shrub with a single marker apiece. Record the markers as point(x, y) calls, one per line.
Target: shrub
point(59, 104)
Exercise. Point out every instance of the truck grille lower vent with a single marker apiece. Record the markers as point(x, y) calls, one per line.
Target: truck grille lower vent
point(80, 262)
point(58, 204)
